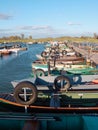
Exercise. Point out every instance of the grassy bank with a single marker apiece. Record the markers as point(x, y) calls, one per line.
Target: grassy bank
point(72, 39)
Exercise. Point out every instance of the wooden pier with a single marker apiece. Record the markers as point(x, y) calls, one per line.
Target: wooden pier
point(88, 54)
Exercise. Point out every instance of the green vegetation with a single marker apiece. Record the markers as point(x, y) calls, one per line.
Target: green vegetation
point(65, 38)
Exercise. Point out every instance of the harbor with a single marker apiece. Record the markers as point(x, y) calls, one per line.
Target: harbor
point(48, 65)
point(50, 104)
point(78, 83)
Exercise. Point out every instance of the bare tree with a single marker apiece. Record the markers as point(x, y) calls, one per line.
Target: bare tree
point(95, 35)
point(22, 36)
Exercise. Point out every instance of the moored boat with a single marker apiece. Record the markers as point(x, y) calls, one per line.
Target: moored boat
point(41, 67)
point(56, 85)
point(75, 108)
point(5, 52)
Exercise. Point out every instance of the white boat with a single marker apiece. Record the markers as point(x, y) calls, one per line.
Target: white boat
point(16, 50)
point(39, 56)
point(5, 51)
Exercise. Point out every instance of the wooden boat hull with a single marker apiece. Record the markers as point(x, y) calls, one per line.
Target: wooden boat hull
point(65, 59)
point(91, 106)
point(14, 107)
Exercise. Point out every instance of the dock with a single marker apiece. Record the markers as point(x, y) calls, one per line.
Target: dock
point(88, 54)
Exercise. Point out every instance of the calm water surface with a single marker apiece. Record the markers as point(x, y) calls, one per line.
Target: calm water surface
point(17, 66)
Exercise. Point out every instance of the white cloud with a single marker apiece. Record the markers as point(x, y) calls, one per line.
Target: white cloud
point(5, 30)
point(41, 31)
point(4, 16)
point(34, 28)
point(35, 31)
point(72, 24)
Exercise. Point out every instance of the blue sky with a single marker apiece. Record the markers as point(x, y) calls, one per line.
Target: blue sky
point(48, 18)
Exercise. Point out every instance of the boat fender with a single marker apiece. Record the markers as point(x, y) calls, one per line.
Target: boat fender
point(62, 83)
point(39, 72)
point(64, 52)
point(25, 93)
point(44, 54)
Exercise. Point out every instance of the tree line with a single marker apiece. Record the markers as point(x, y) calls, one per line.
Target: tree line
point(22, 38)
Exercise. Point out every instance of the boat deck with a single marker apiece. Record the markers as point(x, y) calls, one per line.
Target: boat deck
point(8, 97)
